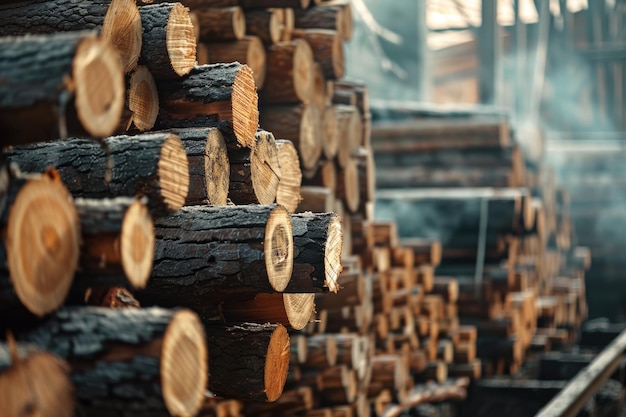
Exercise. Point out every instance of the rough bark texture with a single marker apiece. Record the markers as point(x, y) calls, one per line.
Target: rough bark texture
point(116, 356)
point(142, 102)
point(226, 91)
point(248, 361)
point(122, 27)
point(29, 93)
point(154, 165)
point(317, 241)
point(316, 199)
point(265, 24)
point(168, 48)
point(208, 254)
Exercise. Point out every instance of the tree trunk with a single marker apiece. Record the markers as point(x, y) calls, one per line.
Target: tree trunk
point(209, 254)
point(142, 102)
point(116, 20)
point(154, 165)
point(289, 77)
point(68, 98)
point(292, 310)
point(327, 49)
point(32, 381)
point(225, 91)
point(248, 361)
point(209, 167)
point(160, 355)
point(248, 50)
point(117, 243)
point(168, 47)
point(301, 124)
point(221, 24)
point(266, 24)
point(40, 249)
point(255, 173)
point(288, 193)
point(318, 240)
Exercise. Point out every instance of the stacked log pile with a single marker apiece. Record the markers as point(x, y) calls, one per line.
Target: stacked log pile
point(502, 224)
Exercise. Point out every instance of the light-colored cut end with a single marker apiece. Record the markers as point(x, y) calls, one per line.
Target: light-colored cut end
point(245, 107)
point(528, 215)
point(42, 243)
point(332, 254)
point(289, 23)
point(216, 169)
point(265, 168)
point(137, 244)
point(143, 99)
point(298, 308)
point(184, 365)
point(99, 87)
point(278, 248)
point(304, 4)
point(238, 22)
point(122, 27)
point(351, 185)
point(331, 350)
point(180, 40)
point(257, 60)
point(330, 140)
point(288, 194)
point(300, 342)
point(173, 173)
point(303, 71)
point(276, 25)
point(276, 363)
point(310, 144)
point(319, 87)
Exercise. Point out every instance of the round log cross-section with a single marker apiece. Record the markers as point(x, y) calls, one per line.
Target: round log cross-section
point(288, 193)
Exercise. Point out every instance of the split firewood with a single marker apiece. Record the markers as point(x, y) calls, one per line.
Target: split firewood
point(117, 21)
point(169, 43)
point(154, 165)
point(69, 97)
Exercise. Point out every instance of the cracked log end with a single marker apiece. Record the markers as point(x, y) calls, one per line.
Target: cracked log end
point(216, 169)
point(184, 365)
point(99, 87)
point(173, 173)
point(42, 243)
point(278, 248)
point(122, 27)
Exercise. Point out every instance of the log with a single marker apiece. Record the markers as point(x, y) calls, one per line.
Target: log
point(267, 25)
point(350, 132)
point(323, 175)
point(69, 97)
point(359, 88)
point(117, 21)
point(316, 199)
point(255, 173)
point(154, 165)
point(264, 4)
point(40, 246)
point(288, 193)
point(366, 177)
point(209, 167)
point(331, 133)
point(34, 381)
point(225, 92)
point(291, 402)
point(160, 354)
point(142, 102)
point(231, 252)
point(115, 297)
point(168, 48)
point(353, 292)
point(248, 50)
point(248, 361)
point(318, 241)
point(321, 352)
point(300, 124)
point(117, 243)
point(425, 251)
point(449, 176)
point(326, 17)
point(289, 21)
point(290, 310)
point(289, 77)
point(327, 47)
point(348, 185)
point(319, 95)
point(221, 23)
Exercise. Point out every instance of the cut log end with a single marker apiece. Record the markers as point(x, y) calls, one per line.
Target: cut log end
point(276, 26)
point(319, 87)
point(299, 308)
point(245, 107)
point(99, 87)
point(216, 169)
point(137, 245)
point(303, 71)
point(288, 193)
point(37, 385)
point(143, 99)
point(330, 139)
point(310, 145)
point(257, 60)
point(277, 363)
point(239, 22)
point(42, 243)
point(332, 254)
point(278, 248)
point(173, 173)
point(122, 27)
point(181, 40)
point(265, 168)
point(184, 365)
point(350, 186)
